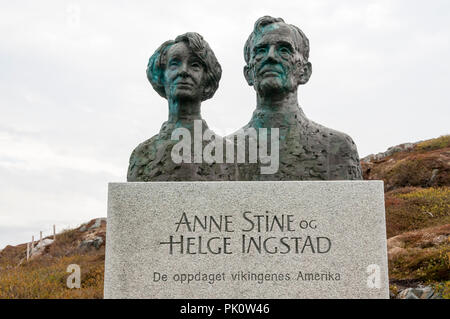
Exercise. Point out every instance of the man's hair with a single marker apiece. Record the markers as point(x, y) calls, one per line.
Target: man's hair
point(158, 62)
point(301, 42)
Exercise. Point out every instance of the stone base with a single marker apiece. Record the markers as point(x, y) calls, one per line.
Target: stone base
point(246, 240)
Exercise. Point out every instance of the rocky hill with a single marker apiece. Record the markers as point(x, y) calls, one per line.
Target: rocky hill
point(417, 198)
point(422, 164)
point(45, 274)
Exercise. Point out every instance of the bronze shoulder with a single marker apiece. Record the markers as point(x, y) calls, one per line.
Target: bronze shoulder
point(141, 156)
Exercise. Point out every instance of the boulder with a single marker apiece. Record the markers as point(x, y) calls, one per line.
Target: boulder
point(97, 223)
point(426, 292)
point(95, 242)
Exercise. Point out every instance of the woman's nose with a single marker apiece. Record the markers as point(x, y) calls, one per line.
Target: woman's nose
point(183, 68)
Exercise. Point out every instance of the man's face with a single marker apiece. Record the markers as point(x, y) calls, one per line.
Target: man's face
point(273, 60)
point(183, 74)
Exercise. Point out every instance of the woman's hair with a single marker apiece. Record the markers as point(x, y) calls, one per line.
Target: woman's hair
point(213, 71)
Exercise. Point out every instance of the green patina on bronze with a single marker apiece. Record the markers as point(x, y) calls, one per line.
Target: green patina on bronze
point(277, 56)
point(186, 72)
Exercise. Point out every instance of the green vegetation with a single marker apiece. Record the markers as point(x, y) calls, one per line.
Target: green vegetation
point(443, 288)
point(46, 278)
point(434, 200)
point(434, 144)
point(427, 265)
point(414, 208)
point(409, 172)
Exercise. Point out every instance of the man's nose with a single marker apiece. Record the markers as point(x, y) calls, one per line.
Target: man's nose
point(271, 55)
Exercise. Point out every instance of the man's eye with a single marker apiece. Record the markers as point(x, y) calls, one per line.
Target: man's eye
point(284, 50)
point(173, 63)
point(260, 51)
point(196, 65)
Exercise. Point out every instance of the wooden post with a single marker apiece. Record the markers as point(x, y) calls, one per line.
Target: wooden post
point(28, 251)
point(32, 243)
point(40, 240)
point(54, 232)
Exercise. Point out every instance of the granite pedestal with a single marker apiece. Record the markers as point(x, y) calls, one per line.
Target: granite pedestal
point(246, 240)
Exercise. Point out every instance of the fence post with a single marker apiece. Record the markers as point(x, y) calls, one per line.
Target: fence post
point(32, 243)
point(54, 232)
point(40, 241)
point(28, 251)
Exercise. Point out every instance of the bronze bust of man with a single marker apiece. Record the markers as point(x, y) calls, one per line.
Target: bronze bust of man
point(185, 72)
point(276, 56)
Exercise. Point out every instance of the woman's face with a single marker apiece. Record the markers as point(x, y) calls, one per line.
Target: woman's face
point(183, 76)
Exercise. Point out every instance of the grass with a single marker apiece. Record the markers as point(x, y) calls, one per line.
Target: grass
point(434, 144)
point(46, 278)
point(428, 265)
point(435, 200)
point(426, 165)
point(414, 171)
point(414, 208)
point(443, 288)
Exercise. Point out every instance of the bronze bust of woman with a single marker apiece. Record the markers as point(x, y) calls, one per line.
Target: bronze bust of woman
point(185, 72)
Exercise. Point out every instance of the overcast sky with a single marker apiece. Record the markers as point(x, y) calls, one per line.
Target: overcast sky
point(75, 100)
